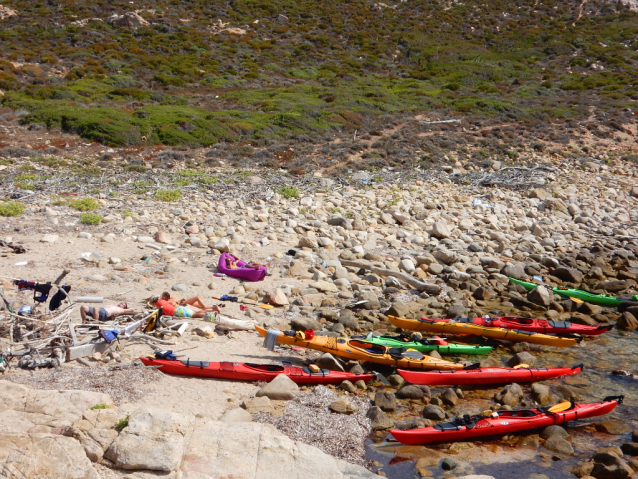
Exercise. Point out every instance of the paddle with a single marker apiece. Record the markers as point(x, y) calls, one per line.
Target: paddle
point(561, 406)
point(264, 306)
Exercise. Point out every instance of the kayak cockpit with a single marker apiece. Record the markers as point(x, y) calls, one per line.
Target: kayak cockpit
point(266, 367)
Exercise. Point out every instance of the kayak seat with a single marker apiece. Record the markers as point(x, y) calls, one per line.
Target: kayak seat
point(404, 353)
point(265, 367)
point(322, 372)
point(196, 364)
point(448, 426)
point(529, 333)
point(396, 352)
point(462, 320)
point(559, 324)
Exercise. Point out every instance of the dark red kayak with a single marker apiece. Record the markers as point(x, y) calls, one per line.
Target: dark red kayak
point(476, 375)
point(251, 372)
point(532, 325)
point(503, 422)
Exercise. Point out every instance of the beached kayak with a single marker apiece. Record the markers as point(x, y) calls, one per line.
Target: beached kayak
point(472, 375)
point(533, 325)
point(366, 351)
point(454, 327)
point(426, 345)
point(251, 372)
point(503, 422)
point(581, 294)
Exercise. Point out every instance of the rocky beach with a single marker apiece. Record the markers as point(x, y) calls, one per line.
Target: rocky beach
point(410, 244)
point(180, 178)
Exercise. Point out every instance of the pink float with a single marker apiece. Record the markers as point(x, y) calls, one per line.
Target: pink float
point(248, 274)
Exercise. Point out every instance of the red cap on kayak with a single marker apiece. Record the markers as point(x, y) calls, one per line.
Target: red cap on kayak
point(309, 334)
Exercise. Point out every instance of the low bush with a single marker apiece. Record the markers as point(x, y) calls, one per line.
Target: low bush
point(91, 219)
point(288, 192)
point(11, 208)
point(84, 204)
point(168, 195)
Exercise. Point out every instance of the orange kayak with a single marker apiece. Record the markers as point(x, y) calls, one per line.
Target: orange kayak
point(367, 351)
point(460, 327)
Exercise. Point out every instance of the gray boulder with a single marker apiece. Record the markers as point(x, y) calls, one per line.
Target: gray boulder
point(281, 388)
point(378, 419)
point(540, 295)
point(541, 393)
point(398, 309)
point(328, 361)
point(449, 397)
point(236, 415)
point(410, 392)
point(570, 275)
point(433, 412)
point(554, 430)
point(343, 406)
point(385, 401)
point(522, 358)
point(560, 445)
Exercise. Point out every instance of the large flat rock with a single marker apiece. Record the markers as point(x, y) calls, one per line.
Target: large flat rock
point(213, 449)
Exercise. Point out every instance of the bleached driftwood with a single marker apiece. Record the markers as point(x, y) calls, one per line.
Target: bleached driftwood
point(406, 278)
point(232, 323)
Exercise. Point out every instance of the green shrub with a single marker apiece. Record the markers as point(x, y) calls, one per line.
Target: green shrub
point(90, 219)
point(101, 406)
point(135, 168)
point(11, 208)
point(288, 192)
point(168, 195)
point(84, 204)
point(122, 423)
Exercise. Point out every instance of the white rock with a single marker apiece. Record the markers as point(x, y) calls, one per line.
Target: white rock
point(49, 238)
point(407, 265)
point(145, 239)
point(324, 286)
point(440, 229)
point(222, 245)
point(85, 235)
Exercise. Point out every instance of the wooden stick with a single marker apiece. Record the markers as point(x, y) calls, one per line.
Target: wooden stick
point(415, 283)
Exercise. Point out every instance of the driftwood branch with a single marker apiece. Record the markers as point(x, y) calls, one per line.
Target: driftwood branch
point(59, 279)
point(406, 278)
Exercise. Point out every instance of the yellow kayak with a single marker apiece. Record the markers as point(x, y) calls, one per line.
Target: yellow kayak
point(459, 327)
point(367, 351)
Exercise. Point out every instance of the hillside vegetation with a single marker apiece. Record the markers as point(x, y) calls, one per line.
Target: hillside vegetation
point(197, 73)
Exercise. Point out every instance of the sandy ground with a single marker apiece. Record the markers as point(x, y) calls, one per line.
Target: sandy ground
point(188, 395)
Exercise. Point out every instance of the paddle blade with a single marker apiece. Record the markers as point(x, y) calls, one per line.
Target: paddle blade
point(519, 366)
point(561, 406)
point(266, 306)
point(577, 300)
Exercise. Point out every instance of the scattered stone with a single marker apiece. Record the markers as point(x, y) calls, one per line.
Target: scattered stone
point(328, 361)
point(277, 297)
point(613, 426)
point(559, 444)
point(236, 415)
point(378, 419)
point(433, 412)
point(522, 358)
point(343, 406)
point(385, 401)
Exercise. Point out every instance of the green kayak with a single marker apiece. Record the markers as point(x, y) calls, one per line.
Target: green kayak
point(600, 299)
point(426, 345)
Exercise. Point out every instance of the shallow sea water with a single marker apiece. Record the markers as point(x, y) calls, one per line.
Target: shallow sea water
point(505, 457)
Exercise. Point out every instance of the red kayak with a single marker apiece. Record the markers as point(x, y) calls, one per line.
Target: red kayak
point(546, 326)
point(503, 422)
point(476, 375)
point(251, 372)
